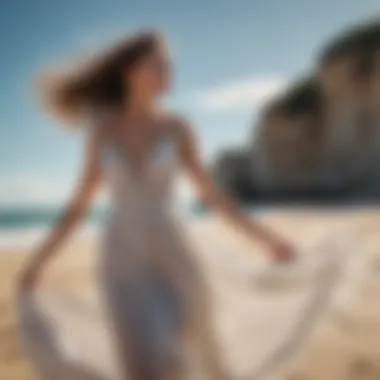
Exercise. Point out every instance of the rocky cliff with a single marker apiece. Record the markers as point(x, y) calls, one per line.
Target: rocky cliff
point(321, 136)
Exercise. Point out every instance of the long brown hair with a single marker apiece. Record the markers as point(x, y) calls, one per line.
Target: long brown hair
point(98, 82)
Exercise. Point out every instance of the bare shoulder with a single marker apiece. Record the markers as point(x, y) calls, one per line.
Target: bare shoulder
point(178, 125)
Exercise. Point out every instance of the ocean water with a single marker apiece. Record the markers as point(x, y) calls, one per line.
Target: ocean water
point(21, 218)
point(23, 226)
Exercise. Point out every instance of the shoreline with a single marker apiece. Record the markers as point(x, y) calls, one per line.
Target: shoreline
point(25, 236)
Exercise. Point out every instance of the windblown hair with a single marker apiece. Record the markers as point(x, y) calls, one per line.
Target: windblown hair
point(98, 82)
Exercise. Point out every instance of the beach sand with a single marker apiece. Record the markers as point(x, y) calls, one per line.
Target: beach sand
point(344, 344)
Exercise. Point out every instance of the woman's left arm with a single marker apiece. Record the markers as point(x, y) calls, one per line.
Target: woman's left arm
point(211, 195)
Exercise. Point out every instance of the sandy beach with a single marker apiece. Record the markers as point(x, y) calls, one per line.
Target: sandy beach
point(345, 339)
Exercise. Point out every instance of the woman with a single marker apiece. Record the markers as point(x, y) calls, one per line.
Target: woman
point(153, 290)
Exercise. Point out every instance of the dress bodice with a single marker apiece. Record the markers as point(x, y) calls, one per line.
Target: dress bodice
point(141, 211)
point(150, 190)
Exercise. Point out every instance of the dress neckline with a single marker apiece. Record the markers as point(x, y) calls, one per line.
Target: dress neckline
point(141, 174)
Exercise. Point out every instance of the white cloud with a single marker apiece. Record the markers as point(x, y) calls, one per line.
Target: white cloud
point(245, 93)
point(27, 189)
point(30, 189)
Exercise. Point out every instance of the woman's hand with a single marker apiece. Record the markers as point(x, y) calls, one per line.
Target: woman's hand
point(283, 252)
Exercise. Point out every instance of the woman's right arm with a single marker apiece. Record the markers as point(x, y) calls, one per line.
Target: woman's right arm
point(74, 212)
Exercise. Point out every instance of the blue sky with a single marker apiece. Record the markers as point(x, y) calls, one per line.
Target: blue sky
point(230, 56)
